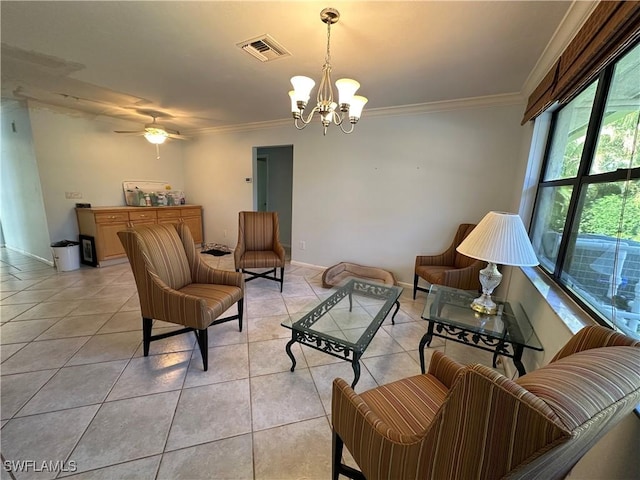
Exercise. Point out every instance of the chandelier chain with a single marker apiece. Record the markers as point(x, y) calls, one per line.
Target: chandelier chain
point(327, 58)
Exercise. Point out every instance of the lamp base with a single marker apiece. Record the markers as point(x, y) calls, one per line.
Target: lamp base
point(490, 278)
point(483, 304)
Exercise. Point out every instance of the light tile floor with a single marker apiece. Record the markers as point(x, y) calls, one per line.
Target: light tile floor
point(76, 388)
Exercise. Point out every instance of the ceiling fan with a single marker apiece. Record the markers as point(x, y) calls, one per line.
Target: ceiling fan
point(155, 133)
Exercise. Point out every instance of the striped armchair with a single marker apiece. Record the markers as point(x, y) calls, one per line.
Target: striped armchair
point(449, 268)
point(471, 422)
point(175, 285)
point(259, 246)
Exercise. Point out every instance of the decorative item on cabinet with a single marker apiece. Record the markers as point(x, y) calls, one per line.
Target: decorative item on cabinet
point(104, 223)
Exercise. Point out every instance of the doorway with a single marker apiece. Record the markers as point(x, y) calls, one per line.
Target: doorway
point(262, 183)
point(273, 185)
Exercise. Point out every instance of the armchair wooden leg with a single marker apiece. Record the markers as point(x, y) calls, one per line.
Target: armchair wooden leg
point(281, 278)
point(337, 455)
point(337, 467)
point(146, 334)
point(203, 343)
point(415, 285)
point(240, 311)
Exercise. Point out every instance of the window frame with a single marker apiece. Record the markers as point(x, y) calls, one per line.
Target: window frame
point(582, 180)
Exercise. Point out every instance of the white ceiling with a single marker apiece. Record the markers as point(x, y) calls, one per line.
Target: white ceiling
point(180, 58)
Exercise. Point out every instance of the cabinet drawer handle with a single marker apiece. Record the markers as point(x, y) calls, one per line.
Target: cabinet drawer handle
point(112, 217)
point(142, 215)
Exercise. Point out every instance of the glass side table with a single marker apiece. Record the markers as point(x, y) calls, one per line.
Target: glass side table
point(450, 316)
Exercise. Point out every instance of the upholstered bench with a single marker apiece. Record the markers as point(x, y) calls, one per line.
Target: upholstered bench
point(343, 271)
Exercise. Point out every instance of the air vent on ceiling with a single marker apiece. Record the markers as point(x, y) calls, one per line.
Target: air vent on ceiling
point(264, 48)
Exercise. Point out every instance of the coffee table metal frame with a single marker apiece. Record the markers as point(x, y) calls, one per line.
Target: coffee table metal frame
point(302, 330)
point(452, 318)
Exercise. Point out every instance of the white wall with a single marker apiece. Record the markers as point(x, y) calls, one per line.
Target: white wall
point(396, 188)
point(80, 153)
point(22, 213)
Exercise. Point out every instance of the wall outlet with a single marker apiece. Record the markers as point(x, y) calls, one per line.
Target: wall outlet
point(303, 245)
point(72, 195)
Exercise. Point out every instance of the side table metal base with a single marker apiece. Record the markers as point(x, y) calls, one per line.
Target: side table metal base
point(498, 347)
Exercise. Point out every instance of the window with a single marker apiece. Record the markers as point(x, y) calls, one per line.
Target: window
point(586, 220)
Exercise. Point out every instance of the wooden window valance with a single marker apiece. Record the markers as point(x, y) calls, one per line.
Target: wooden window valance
point(608, 31)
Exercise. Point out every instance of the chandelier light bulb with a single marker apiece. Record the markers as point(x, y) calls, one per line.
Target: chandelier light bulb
point(302, 88)
point(357, 104)
point(347, 88)
point(294, 103)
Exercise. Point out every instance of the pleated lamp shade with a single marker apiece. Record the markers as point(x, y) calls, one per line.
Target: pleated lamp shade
point(502, 239)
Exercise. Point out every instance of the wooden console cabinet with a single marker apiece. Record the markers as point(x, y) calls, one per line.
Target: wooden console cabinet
point(104, 223)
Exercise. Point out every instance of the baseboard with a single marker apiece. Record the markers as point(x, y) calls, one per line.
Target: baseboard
point(113, 261)
point(307, 265)
point(28, 254)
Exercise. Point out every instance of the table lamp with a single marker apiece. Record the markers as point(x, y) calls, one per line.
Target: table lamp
point(499, 238)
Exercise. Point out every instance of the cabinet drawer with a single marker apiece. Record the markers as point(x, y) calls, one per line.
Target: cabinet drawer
point(111, 217)
point(168, 214)
point(191, 212)
point(143, 215)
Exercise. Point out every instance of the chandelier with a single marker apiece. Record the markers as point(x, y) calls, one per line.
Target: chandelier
point(351, 105)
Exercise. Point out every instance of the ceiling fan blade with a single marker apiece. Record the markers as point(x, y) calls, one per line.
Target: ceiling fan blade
point(137, 132)
point(178, 136)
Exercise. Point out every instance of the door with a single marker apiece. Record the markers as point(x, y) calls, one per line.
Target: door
point(262, 179)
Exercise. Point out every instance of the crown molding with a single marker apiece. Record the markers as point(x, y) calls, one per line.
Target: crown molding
point(500, 100)
point(576, 15)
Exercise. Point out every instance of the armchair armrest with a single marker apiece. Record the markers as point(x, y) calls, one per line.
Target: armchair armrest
point(444, 369)
point(463, 278)
point(445, 258)
point(238, 252)
point(207, 274)
point(369, 439)
point(279, 249)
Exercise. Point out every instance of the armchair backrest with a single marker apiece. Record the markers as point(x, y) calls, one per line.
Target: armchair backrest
point(462, 261)
point(486, 427)
point(157, 250)
point(540, 425)
point(258, 230)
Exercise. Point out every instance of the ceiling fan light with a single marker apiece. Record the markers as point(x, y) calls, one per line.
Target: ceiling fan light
point(155, 135)
point(347, 88)
point(357, 104)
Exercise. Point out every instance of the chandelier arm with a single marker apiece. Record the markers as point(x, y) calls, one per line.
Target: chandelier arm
point(300, 117)
point(338, 118)
point(353, 126)
point(309, 117)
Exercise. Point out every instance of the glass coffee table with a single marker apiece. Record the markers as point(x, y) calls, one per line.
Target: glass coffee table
point(345, 323)
point(450, 316)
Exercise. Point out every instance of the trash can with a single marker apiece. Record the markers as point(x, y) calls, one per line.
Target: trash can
point(66, 255)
